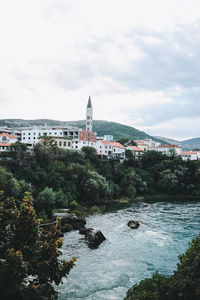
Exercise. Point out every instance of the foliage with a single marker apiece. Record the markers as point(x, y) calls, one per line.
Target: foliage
point(29, 253)
point(46, 200)
point(57, 177)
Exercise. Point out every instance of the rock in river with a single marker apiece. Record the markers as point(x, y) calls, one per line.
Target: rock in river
point(133, 224)
point(94, 238)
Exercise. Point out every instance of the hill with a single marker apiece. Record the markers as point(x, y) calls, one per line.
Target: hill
point(186, 144)
point(191, 143)
point(168, 140)
point(101, 127)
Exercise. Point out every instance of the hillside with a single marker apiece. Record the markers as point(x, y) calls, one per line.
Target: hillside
point(186, 144)
point(101, 127)
point(191, 143)
point(168, 140)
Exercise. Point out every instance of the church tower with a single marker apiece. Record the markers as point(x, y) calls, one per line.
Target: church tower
point(89, 115)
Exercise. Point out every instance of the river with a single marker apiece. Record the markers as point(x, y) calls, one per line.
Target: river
point(127, 256)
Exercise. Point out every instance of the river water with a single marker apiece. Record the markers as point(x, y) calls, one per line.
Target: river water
point(127, 256)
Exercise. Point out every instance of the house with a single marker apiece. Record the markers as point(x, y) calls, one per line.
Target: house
point(142, 145)
point(61, 142)
point(110, 149)
point(190, 155)
point(169, 149)
point(137, 152)
point(6, 140)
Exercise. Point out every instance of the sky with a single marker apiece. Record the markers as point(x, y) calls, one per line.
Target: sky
point(137, 59)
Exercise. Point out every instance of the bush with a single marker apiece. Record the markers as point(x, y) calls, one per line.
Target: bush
point(73, 204)
point(96, 210)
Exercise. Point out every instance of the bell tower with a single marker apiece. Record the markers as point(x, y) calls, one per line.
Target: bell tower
point(89, 115)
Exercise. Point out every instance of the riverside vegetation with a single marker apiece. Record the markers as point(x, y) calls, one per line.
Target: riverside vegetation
point(78, 180)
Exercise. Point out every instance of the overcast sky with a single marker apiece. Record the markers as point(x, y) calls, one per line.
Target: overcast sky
point(138, 59)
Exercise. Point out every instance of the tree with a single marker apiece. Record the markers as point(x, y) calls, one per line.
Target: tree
point(96, 188)
point(29, 254)
point(46, 200)
point(8, 183)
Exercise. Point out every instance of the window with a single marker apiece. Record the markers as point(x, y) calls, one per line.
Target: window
point(88, 118)
point(69, 145)
point(64, 144)
point(60, 144)
point(4, 138)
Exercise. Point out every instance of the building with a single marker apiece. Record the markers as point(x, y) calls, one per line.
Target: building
point(110, 149)
point(169, 149)
point(61, 142)
point(31, 135)
point(190, 155)
point(6, 140)
point(137, 152)
point(147, 144)
point(89, 115)
point(142, 145)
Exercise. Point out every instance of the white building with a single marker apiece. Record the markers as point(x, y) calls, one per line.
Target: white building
point(6, 140)
point(110, 149)
point(147, 144)
point(190, 155)
point(169, 149)
point(31, 135)
point(137, 152)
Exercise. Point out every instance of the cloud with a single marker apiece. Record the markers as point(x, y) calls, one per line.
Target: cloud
point(138, 60)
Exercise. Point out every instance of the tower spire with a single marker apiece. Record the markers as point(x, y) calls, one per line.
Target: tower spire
point(89, 115)
point(89, 102)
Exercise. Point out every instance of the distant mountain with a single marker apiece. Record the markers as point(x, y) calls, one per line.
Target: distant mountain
point(168, 140)
point(101, 127)
point(191, 143)
point(186, 144)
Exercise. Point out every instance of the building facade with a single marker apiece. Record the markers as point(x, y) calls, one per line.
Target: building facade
point(6, 140)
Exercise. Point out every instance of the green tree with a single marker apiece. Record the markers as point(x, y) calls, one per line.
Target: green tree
point(96, 188)
point(46, 200)
point(29, 254)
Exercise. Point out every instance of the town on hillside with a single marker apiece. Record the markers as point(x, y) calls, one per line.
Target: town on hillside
point(68, 137)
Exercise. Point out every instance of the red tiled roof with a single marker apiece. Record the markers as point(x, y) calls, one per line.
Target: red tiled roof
point(113, 144)
point(106, 143)
point(5, 144)
point(135, 148)
point(188, 152)
point(169, 146)
point(116, 144)
point(8, 135)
